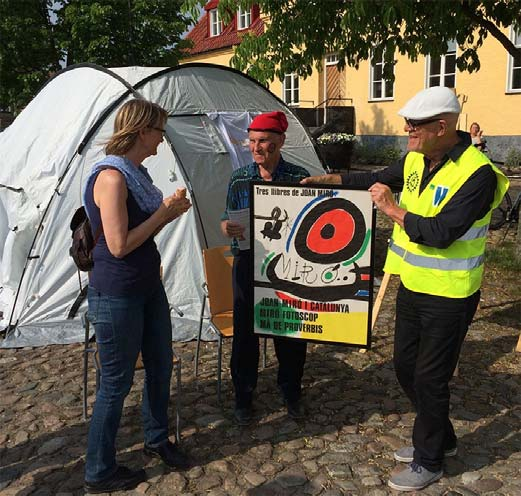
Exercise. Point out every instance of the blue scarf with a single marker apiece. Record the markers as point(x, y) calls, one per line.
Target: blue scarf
point(139, 182)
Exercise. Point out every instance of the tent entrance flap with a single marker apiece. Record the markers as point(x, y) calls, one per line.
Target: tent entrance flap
point(203, 150)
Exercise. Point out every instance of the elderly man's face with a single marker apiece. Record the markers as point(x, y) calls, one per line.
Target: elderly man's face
point(423, 138)
point(265, 147)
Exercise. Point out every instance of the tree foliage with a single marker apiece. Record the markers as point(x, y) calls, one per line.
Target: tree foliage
point(121, 32)
point(28, 50)
point(38, 37)
point(300, 32)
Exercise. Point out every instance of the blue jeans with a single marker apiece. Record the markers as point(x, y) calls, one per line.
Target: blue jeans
point(125, 326)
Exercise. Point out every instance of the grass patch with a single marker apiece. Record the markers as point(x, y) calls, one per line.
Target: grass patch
point(503, 257)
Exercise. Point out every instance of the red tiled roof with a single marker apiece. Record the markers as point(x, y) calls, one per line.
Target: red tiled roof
point(203, 42)
point(212, 4)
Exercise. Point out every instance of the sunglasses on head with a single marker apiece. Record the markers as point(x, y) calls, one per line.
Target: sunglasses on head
point(413, 123)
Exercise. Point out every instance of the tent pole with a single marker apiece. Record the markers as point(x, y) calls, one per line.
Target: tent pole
point(28, 258)
point(38, 231)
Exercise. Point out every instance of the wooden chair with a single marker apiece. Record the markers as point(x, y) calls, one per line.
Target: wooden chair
point(218, 264)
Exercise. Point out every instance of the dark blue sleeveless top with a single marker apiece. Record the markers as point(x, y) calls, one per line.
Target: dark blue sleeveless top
point(135, 273)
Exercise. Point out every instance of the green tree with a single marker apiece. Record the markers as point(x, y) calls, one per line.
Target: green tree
point(28, 50)
point(121, 32)
point(38, 37)
point(300, 32)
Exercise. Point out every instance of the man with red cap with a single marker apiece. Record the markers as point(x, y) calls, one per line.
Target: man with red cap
point(266, 137)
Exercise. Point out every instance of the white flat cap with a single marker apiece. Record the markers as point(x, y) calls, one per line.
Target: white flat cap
point(430, 102)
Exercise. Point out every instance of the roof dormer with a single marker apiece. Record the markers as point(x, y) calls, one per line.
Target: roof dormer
point(244, 18)
point(210, 33)
point(215, 25)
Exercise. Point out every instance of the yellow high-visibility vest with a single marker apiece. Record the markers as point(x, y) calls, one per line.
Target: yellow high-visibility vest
point(455, 271)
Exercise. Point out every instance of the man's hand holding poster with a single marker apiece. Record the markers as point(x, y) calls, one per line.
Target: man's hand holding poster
point(312, 262)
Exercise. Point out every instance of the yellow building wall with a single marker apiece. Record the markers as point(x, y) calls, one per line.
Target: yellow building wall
point(482, 94)
point(310, 88)
point(219, 57)
point(485, 97)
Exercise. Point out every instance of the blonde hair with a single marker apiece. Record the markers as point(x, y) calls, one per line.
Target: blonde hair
point(132, 117)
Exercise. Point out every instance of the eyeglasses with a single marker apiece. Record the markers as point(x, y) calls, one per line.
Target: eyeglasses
point(159, 129)
point(413, 124)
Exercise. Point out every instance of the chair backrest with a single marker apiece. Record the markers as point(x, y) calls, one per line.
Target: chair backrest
point(218, 270)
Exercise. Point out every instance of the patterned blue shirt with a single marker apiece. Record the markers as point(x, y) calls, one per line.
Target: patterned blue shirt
point(239, 187)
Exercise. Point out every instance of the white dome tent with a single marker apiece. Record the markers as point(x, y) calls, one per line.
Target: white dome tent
point(49, 149)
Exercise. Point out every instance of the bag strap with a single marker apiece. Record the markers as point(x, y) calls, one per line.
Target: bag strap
point(99, 231)
point(78, 301)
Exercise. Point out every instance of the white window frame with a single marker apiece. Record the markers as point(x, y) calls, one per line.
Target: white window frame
point(510, 66)
point(294, 89)
point(384, 82)
point(443, 74)
point(243, 18)
point(216, 25)
point(332, 59)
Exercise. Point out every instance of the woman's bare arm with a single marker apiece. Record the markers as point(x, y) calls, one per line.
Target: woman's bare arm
point(110, 195)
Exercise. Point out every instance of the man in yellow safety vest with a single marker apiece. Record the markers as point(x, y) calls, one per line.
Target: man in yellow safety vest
point(448, 191)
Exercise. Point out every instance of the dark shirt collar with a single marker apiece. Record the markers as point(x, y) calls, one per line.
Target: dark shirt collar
point(455, 152)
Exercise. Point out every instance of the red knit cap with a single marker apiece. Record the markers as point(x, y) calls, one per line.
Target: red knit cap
point(274, 122)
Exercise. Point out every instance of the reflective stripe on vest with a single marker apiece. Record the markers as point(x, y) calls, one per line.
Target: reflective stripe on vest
point(474, 233)
point(437, 263)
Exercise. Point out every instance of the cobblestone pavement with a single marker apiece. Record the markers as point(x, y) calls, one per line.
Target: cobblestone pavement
point(356, 417)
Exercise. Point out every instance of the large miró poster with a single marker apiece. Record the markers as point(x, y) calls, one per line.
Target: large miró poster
point(313, 256)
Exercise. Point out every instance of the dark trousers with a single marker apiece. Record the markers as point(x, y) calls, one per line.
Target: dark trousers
point(291, 353)
point(428, 337)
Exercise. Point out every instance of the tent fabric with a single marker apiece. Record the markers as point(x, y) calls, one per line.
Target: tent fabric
point(48, 152)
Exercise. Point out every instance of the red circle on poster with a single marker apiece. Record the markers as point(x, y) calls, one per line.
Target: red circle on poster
point(331, 232)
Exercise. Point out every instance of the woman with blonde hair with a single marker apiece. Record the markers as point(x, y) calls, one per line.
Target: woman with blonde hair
point(127, 302)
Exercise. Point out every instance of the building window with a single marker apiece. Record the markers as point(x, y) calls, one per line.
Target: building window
point(332, 59)
point(514, 64)
point(441, 71)
point(290, 89)
point(381, 88)
point(216, 26)
point(243, 18)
